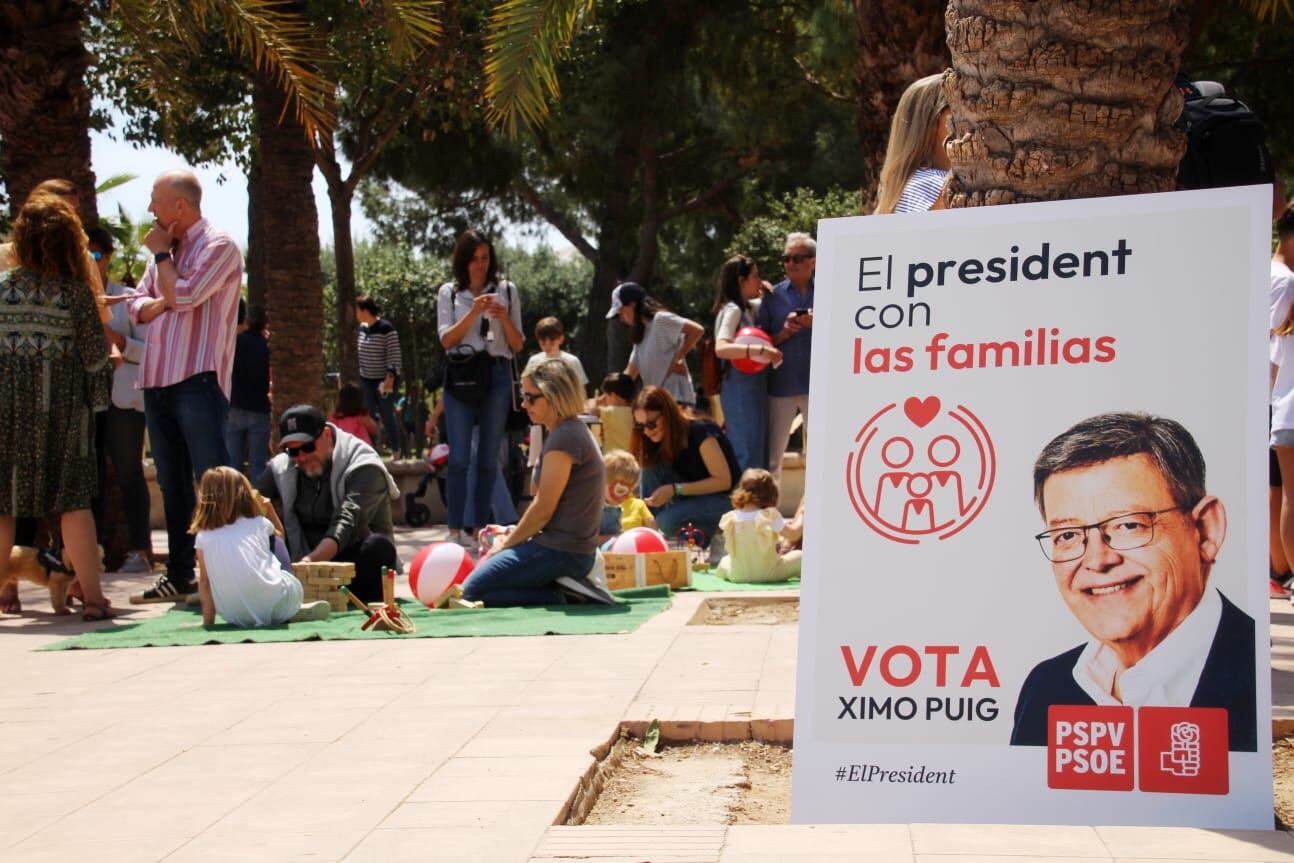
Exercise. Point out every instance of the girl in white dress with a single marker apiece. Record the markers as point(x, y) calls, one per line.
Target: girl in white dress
point(241, 575)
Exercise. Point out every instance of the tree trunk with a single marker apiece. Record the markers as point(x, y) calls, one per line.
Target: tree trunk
point(899, 41)
point(44, 103)
point(257, 259)
point(341, 196)
point(1063, 100)
point(290, 271)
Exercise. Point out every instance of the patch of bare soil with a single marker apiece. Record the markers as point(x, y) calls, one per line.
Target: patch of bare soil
point(696, 784)
point(1283, 781)
point(735, 612)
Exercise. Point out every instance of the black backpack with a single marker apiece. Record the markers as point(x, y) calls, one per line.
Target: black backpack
point(1225, 142)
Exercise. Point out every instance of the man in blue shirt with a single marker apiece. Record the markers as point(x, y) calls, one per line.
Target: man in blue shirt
point(786, 315)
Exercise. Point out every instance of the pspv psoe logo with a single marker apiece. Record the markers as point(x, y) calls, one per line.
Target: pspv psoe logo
point(920, 472)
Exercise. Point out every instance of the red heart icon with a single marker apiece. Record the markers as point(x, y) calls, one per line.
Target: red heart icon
point(921, 411)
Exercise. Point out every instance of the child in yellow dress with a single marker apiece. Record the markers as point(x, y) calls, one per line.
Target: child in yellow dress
point(751, 531)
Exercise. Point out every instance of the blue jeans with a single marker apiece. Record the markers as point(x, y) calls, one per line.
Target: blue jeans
point(382, 409)
point(524, 576)
point(745, 415)
point(186, 430)
point(247, 437)
point(702, 511)
point(502, 508)
point(488, 417)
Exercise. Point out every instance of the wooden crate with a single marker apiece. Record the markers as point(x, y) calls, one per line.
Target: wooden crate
point(324, 581)
point(640, 570)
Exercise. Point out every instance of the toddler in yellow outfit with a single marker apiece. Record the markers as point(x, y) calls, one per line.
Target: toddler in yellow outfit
point(751, 531)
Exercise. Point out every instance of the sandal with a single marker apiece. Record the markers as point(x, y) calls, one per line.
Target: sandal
point(96, 612)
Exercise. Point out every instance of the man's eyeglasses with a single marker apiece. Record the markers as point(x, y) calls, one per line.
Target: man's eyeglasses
point(797, 259)
point(304, 449)
point(650, 425)
point(530, 398)
point(1121, 533)
point(98, 256)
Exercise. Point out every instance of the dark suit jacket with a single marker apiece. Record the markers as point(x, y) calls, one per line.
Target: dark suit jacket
point(1227, 681)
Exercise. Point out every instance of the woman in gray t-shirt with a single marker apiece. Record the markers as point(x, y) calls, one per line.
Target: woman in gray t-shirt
point(547, 557)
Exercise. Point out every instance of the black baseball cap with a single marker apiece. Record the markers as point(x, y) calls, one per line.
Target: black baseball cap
point(301, 424)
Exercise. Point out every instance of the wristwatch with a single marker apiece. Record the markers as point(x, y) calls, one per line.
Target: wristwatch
point(678, 489)
point(161, 256)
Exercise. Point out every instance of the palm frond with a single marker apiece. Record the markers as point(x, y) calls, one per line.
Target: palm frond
point(113, 182)
point(410, 25)
point(1269, 10)
point(270, 34)
point(525, 42)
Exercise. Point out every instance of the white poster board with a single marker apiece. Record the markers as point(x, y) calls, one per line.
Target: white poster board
point(950, 350)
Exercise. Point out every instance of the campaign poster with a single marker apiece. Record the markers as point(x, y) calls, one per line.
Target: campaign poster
point(1036, 517)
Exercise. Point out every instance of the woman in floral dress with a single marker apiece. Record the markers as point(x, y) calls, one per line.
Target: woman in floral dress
point(55, 373)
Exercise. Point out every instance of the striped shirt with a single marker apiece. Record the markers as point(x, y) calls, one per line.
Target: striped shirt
point(198, 334)
point(921, 190)
point(379, 350)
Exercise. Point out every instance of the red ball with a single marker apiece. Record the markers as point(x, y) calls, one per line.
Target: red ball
point(757, 362)
point(639, 540)
point(436, 569)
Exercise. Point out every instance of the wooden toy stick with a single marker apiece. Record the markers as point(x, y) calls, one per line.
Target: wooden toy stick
point(388, 586)
point(355, 600)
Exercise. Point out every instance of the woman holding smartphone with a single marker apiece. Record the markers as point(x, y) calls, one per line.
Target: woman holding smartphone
point(479, 319)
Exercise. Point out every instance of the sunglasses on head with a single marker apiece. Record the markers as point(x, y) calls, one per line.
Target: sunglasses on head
point(305, 448)
point(796, 259)
point(650, 425)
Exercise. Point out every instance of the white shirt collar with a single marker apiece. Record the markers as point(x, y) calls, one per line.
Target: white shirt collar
point(1166, 676)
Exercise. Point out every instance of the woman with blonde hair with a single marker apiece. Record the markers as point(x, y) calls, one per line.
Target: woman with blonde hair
point(55, 374)
point(546, 559)
point(916, 165)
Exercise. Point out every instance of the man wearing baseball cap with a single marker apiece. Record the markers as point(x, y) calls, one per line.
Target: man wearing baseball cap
point(335, 495)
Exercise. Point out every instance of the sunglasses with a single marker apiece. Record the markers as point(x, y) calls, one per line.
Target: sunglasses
point(530, 398)
point(797, 259)
point(304, 449)
point(650, 425)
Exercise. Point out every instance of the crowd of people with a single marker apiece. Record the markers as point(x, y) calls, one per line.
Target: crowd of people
point(182, 357)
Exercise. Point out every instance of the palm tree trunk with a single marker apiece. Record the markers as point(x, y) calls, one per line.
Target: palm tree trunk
point(288, 266)
point(341, 196)
point(899, 41)
point(1063, 100)
point(44, 103)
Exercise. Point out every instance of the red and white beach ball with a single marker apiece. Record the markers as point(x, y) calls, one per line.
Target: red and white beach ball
point(439, 455)
point(639, 540)
point(436, 568)
point(752, 336)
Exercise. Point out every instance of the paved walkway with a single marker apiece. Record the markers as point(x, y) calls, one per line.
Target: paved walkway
point(437, 749)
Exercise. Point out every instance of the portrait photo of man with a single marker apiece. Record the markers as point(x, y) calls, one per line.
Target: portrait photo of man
point(1132, 536)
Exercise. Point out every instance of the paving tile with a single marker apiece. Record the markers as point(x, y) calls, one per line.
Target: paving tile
point(661, 844)
point(538, 815)
point(1191, 844)
point(444, 845)
point(822, 843)
point(1008, 839)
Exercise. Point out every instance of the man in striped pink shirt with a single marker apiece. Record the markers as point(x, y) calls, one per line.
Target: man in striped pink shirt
point(189, 297)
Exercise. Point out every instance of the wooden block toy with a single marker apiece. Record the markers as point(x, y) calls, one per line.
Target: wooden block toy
point(324, 581)
point(641, 570)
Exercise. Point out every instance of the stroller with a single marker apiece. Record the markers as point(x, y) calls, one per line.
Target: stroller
point(419, 514)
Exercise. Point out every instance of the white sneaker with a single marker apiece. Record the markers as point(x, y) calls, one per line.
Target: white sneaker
point(317, 610)
point(135, 562)
point(463, 538)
